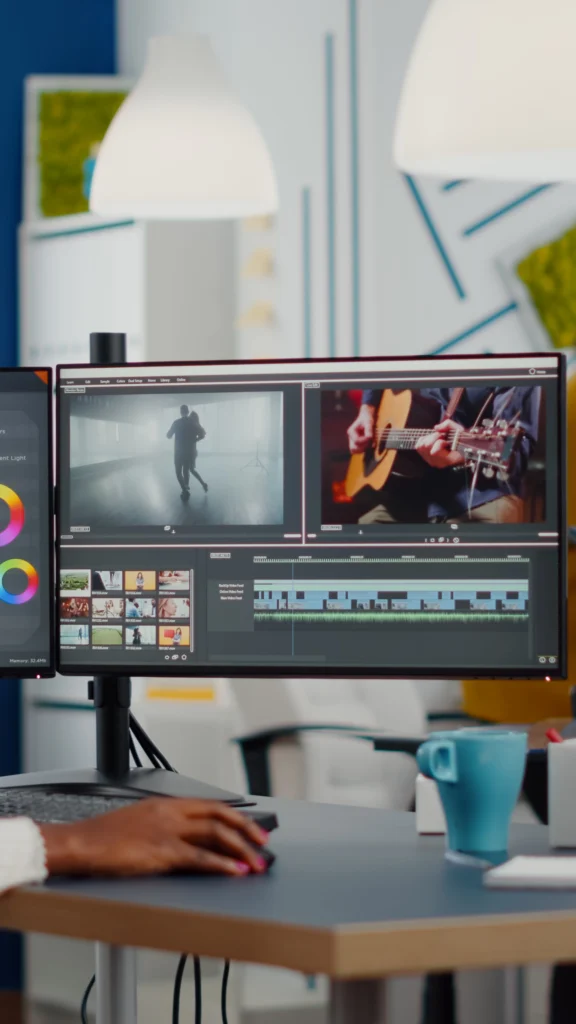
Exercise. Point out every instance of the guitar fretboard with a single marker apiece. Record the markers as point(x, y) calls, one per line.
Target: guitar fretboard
point(408, 438)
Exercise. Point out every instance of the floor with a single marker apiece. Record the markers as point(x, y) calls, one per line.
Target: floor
point(243, 490)
point(268, 996)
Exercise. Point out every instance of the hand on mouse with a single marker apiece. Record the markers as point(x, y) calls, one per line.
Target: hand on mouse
point(155, 837)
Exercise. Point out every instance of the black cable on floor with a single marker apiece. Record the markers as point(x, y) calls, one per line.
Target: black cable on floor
point(85, 998)
point(178, 990)
point(224, 1002)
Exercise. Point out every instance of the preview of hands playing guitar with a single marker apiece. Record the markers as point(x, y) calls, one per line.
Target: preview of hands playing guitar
point(434, 447)
point(404, 443)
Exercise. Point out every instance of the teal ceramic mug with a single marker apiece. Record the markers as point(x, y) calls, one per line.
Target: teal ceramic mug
point(479, 773)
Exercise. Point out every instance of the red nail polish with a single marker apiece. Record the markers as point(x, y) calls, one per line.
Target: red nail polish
point(242, 868)
point(265, 836)
point(262, 863)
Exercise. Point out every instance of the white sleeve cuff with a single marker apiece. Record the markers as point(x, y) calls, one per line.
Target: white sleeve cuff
point(22, 853)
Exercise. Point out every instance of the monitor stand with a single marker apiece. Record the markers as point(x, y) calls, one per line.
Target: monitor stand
point(113, 776)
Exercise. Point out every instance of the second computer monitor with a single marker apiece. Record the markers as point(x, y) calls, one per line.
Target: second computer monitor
point(371, 517)
point(26, 524)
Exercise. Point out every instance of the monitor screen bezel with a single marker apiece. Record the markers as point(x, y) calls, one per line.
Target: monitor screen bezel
point(558, 672)
point(48, 671)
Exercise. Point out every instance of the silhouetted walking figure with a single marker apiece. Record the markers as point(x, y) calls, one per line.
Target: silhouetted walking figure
point(186, 432)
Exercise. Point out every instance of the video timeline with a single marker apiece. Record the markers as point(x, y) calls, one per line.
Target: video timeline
point(129, 608)
point(352, 602)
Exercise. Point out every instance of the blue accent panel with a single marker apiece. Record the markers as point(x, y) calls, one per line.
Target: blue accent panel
point(448, 186)
point(67, 37)
point(354, 172)
point(307, 271)
point(511, 308)
point(330, 190)
point(503, 210)
point(438, 243)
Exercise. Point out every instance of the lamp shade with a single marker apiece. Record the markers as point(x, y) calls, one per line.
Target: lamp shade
point(182, 146)
point(490, 92)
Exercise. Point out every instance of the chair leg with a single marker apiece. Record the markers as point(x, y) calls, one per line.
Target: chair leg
point(563, 994)
point(439, 1000)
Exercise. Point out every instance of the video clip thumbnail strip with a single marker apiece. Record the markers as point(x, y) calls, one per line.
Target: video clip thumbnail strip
point(390, 600)
point(112, 608)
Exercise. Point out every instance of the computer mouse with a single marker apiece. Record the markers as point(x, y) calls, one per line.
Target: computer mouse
point(267, 856)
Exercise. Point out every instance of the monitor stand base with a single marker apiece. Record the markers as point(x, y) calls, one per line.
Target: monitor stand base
point(137, 783)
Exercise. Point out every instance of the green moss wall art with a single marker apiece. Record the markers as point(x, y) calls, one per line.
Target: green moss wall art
point(549, 275)
point(70, 127)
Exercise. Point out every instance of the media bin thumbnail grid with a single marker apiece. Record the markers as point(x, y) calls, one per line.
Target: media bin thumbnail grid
point(126, 608)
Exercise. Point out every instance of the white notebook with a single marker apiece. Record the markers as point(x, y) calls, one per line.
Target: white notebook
point(533, 873)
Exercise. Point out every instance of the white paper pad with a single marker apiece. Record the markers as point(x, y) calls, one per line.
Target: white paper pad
point(533, 873)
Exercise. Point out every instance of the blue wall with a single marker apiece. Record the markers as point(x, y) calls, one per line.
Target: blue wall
point(40, 37)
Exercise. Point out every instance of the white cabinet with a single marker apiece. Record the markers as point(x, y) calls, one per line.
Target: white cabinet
point(169, 286)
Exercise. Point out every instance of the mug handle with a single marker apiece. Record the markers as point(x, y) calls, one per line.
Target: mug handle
point(437, 760)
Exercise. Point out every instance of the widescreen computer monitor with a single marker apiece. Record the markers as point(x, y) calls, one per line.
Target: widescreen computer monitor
point(26, 524)
point(400, 517)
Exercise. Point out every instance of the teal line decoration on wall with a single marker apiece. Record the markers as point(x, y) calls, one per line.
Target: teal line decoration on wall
point(435, 237)
point(307, 270)
point(503, 210)
point(330, 189)
point(354, 171)
point(474, 329)
point(449, 186)
point(63, 705)
point(44, 236)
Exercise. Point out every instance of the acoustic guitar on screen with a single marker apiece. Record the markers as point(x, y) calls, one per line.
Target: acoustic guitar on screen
point(402, 418)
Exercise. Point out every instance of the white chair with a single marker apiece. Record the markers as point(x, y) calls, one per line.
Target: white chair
point(295, 743)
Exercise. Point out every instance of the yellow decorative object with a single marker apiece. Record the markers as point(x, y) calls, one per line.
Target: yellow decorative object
point(263, 223)
point(196, 693)
point(260, 263)
point(531, 700)
point(549, 274)
point(260, 314)
point(71, 126)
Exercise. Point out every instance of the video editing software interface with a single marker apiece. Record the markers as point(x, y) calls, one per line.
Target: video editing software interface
point(365, 516)
point(26, 538)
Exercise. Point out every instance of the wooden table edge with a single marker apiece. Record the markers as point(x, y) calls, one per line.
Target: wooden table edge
point(458, 943)
point(346, 952)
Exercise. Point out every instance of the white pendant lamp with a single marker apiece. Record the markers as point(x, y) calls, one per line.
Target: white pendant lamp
point(490, 92)
point(182, 146)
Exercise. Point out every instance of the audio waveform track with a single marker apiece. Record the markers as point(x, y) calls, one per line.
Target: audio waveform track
point(384, 616)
